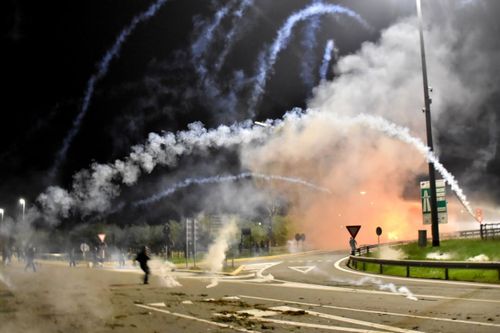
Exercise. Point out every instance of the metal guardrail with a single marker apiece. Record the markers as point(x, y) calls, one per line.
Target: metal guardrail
point(446, 265)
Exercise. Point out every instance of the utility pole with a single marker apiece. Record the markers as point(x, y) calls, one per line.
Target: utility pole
point(432, 176)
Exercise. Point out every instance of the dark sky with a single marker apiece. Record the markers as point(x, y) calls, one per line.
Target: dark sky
point(50, 50)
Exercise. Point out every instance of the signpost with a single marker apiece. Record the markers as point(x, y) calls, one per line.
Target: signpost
point(425, 191)
point(191, 238)
point(353, 230)
point(379, 232)
point(84, 247)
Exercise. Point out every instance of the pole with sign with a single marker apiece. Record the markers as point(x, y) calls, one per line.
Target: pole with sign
point(425, 191)
point(353, 230)
point(379, 232)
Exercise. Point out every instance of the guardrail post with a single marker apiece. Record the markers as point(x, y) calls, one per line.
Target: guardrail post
point(381, 269)
point(407, 271)
point(446, 274)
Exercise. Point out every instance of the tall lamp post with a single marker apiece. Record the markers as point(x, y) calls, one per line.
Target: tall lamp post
point(22, 202)
point(427, 110)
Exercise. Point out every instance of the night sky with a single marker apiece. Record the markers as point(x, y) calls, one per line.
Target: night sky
point(51, 49)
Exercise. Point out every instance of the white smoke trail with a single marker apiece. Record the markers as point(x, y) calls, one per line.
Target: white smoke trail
point(6, 281)
point(327, 57)
point(217, 251)
point(267, 60)
point(309, 43)
point(222, 179)
point(231, 35)
point(390, 129)
point(163, 270)
point(102, 69)
point(93, 189)
point(382, 286)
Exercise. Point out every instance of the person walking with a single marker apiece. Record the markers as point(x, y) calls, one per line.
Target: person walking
point(353, 244)
point(30, 258)
point(72, 257)
point(142, 257)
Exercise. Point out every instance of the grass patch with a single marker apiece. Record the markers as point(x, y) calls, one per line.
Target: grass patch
point(458, 249)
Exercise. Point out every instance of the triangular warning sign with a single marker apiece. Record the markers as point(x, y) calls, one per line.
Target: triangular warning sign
point(302, 269)
point(353, 229)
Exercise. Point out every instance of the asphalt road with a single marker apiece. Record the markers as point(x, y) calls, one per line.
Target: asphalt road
point(304, 293)
point(316, 292)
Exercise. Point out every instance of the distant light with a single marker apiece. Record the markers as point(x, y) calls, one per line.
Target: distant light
point(22, 201)
point(362, 192)
point(1, 211)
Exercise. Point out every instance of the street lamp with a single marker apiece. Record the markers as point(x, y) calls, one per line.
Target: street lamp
point(427, 110)
point(2, 212)
point(22, 202)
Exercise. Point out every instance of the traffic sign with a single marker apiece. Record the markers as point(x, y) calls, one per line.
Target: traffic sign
point(353, 230)
point(425, 190)
point(378, 231)
point(84, 247)
point(101, 237)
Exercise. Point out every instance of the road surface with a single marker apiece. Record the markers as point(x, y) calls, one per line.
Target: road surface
point(303, 293)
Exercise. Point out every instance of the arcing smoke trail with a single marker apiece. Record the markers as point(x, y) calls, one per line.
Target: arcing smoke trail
point(200, 46)
point(268, 60)
point(230, 37)
point(102, 69)
point(223, 179)
point(401, 133)
point(309, 44)
point(93, 189)
point(327, 57)
point(207, 84)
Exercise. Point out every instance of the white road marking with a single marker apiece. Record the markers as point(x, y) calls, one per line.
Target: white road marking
point(460, 283)
point(302, 269)
point(157, 304)
point(258, 313)
point(239, 329)
point(344, 319)
point(372, 311)
point(317, 326)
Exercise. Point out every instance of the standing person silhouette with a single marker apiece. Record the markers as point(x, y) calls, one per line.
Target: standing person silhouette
point(353, 244)
point(142, 257)
point(30, 258)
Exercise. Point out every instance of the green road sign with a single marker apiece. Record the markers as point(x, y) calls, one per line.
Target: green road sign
point(425, 191)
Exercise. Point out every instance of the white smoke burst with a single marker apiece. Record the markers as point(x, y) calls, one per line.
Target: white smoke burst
point(217, 250)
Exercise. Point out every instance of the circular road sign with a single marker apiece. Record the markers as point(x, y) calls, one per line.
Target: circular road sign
point(379, 231)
